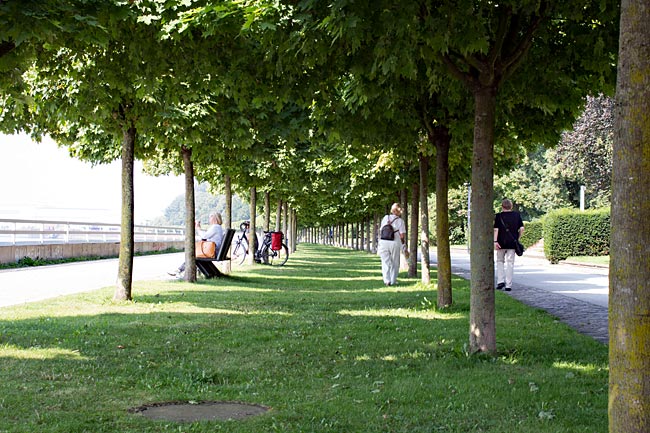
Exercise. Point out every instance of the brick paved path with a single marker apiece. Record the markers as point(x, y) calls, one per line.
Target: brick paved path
point(585, 317)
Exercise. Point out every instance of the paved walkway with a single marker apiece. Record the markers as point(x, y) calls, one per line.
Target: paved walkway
point(575, 294)
point(22, 285)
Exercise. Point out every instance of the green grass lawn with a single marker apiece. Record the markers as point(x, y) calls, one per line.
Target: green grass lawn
point(321, 341)
point(594, 260)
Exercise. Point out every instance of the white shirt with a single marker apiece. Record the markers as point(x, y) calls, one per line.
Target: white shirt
point(213, 234)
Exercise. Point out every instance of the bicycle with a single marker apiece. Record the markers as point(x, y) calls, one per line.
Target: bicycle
point(241, 246)
point(265, 253)
point(269, 256)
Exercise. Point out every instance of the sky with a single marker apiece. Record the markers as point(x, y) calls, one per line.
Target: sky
point(41, 181)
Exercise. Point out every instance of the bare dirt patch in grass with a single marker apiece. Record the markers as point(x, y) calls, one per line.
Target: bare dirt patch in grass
point(179, 411)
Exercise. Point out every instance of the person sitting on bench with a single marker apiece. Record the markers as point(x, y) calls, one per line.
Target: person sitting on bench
point(206, 265)
point(213, 234)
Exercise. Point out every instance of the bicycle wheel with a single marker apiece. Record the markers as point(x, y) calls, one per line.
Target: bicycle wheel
point(275, 258)
point(240, 251)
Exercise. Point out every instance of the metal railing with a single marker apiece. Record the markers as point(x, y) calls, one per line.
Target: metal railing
point(34, 232)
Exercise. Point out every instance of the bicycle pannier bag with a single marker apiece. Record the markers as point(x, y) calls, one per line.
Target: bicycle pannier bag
point(276, 241)
point(387, 232)
point(205, 250)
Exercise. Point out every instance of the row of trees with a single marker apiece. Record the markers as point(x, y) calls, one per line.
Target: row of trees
point(331, 106)
point(334, 108)
point(545, 179)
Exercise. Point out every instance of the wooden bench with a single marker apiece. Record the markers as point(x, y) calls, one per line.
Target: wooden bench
point(207, 267)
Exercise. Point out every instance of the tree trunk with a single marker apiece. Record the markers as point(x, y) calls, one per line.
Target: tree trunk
point(482, 337)
point(251, 235)
point(227, 220)
point(294, 231)
point(267, 211)
point(290, 231)
point(357, 238)
point(127, 243)
point(442, 141)
point(629, 270)
point(278, 217)
point(362, 234)
point(404, 201)
point(368, 224)
point(349, 229)
point(285, 218)
point(375, 232)
point(190, 233)
point(424, 218)
point(289, 234)
point(413, 236)
point(350, 236)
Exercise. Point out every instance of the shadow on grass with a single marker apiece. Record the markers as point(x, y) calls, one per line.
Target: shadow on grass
point(299, 338)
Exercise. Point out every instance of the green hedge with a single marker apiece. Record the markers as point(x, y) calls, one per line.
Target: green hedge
point(533, 232)
point(569, 232)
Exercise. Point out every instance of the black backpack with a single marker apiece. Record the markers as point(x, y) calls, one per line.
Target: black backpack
point(387, 232)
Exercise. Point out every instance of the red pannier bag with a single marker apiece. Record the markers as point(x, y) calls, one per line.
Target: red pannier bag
point(276, 241)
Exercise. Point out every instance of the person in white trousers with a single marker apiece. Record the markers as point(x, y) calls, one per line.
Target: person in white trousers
point(389, 249)
point(508, 227)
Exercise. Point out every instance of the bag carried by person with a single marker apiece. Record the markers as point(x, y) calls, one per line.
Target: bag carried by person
point(519, 248)
point(387, 232)
point(205, 249)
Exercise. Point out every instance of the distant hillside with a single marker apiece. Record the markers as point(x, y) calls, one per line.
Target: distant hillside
point(205, 203)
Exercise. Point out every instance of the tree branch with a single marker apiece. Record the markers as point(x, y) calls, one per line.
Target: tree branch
point(513, 61)
point(424, 117)
point(500, 37)
point(6, 47)
point(456, 71)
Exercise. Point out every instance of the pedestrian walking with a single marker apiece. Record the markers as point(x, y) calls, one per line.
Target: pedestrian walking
point(508, 227)
point(391, 242)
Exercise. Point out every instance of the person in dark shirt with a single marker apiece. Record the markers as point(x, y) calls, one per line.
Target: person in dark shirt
point(506, 223)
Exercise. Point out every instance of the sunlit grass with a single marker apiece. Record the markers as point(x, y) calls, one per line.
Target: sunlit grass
point(36, 353)
point(583, 368)
point(321, 341)
point(404, 313)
